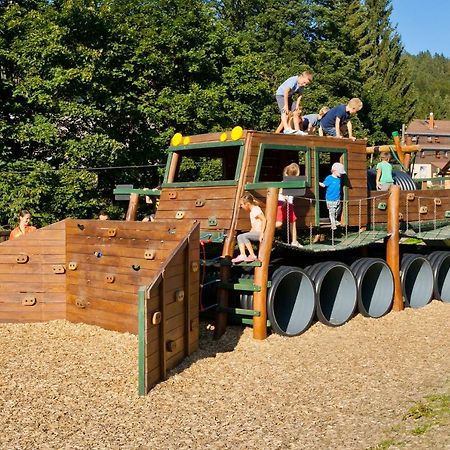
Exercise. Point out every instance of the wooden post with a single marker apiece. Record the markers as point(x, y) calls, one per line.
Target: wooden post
point(393, 245)
point(173, 167)
point(262, 273)
point(132, 207)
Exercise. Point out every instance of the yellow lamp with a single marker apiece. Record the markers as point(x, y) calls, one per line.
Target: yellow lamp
point(177, 139)
point(236, 133)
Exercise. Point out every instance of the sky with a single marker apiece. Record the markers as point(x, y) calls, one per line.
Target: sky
point(423, 25)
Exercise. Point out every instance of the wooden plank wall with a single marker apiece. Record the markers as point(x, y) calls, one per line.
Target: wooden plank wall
point(111, 265)
point(218, 202)
point(176, 336)
point(43, 250)
point(409, 209)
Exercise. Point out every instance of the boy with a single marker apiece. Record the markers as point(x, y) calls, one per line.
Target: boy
point(332, 183)
point(338, 116)
point(311, 121)
point(284, 96)
point(384, 173)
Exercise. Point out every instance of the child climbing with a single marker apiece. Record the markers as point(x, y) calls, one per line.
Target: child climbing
point(384, 173)
point(284, 96)
point(338, 116)
point(285, 208)
point(332, 184)
point(311, 121)
point(258, 225)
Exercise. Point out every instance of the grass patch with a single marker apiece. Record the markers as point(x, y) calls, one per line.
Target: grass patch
point(432, 412)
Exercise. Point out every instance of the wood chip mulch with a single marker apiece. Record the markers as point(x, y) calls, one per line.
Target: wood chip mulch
point(68, 386)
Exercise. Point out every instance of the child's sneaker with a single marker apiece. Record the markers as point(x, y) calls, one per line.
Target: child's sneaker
point(289, 131)
point(300, 133)
point(238, 259)
point(250, 258)
point(296, 244)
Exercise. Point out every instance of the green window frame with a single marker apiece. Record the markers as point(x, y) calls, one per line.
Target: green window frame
point(186, 148)
point(317, 152)
point(298, 148)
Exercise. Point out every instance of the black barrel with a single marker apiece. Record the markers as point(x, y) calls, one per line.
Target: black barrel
point(336, 292)
point(417, 280)
point(440, 263)
point(291, 301)
point(375, 286)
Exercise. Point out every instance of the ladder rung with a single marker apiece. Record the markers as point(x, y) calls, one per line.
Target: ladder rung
point(239, 311)
point(246, 321)
point(240, 286)
point(227, 262)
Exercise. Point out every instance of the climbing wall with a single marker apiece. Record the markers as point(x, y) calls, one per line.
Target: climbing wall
point(32, 276)
point(107, 261)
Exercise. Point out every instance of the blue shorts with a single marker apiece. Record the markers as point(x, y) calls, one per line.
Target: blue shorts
point(331, 131)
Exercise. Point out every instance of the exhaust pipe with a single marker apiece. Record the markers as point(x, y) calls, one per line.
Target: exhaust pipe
point(336, 292)
point(290, 301)
point(417, 280)
point(375, 286)
point(440, 263)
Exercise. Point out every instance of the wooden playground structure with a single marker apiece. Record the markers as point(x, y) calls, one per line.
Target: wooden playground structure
point(154, 279)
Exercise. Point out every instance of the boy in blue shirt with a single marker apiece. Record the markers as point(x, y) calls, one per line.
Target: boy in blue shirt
point(284, 96)
point(332, 184)
point(338, 116)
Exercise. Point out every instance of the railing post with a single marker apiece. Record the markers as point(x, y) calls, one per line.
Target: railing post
point(393, 245)
point(262, 273)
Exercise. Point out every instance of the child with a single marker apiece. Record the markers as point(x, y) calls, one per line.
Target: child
point(258, 221)
point(311, 121)
point(338, 116)
point(384, 173)
point(24, 225)
point(285, 203)
point(332, 183)
point(284, 96)
point(103, 215)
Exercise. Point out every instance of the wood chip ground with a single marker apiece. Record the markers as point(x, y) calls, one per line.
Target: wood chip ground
point(67, 386)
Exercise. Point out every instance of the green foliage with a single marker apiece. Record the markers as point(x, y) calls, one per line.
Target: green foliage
point(431, 77)
point(88, 84)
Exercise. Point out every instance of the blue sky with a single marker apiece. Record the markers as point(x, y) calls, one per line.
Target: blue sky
point(423, 25)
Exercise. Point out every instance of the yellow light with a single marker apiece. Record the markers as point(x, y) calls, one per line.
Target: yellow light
point(186, 140)
point(177, 139)
point(236, 133)
point(223, 137)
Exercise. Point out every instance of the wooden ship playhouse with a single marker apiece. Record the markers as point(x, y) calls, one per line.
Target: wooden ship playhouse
point(154, 279)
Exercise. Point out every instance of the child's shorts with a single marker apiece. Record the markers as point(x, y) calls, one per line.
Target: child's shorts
point(282, 212)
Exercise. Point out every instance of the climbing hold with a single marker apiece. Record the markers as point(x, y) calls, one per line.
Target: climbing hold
point(410, 196)
point(58, 268)
point(172, 195)
point(80, 226)
point(80, 303)
point(110, 278)
point(98, 254)
point(179, 214)
point(437, 202)
point(179, 295)
point(156, 318)
point(22, 259)
point(136, 267)
point(29, 301)
point(73, 265)
point(423, 210)
point(194, 266)
point(149, 254)
point(112, 232)
point(171, 346)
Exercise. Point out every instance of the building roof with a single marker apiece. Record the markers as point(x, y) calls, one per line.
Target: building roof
point(422, 127)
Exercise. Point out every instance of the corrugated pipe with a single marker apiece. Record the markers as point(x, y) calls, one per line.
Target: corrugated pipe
point(417, 280)
point(440, 263)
